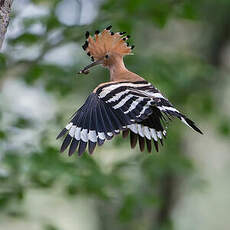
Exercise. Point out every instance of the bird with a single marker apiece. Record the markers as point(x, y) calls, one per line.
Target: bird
point(127, 103)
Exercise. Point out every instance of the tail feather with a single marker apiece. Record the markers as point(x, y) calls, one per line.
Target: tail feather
point(190, 123)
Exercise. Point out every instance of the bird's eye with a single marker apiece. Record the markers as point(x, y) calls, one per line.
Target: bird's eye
point(106, 56)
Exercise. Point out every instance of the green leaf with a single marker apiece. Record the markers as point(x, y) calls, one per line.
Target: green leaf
point(27, 39)
point(224, 127)
point(2, 62)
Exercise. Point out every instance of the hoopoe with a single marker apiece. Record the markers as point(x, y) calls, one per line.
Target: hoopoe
point(126, 103)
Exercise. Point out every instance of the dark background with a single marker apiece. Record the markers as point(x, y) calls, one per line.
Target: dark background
point(183, 48)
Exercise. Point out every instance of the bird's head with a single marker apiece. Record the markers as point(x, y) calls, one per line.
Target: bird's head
point(106, 48)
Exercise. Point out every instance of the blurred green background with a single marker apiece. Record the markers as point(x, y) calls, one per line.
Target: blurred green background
point(183, 48)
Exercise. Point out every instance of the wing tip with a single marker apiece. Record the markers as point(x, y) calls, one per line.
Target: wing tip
point(91, 147)
point(191, 124)
point(65, 143)
point(156, 145)
point(82, 147)
point(73, 147)
point(62, 133)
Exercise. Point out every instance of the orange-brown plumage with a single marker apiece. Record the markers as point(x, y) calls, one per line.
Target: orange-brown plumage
point(106, 42)
point(108, 48)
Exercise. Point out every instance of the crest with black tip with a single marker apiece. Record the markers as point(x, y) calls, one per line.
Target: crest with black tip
point(109, 27)
point(85, 45)
point(86, 34)
point(99, 45)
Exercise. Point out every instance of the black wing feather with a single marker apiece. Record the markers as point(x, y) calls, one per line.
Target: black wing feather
point(73, 146)
point(66, 143)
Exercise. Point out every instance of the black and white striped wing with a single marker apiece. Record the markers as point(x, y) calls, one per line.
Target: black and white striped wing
point(136, 100)
point(136, 107)
point(92, 124)
point(170, 111)
point(102, 117)
point(146, 106)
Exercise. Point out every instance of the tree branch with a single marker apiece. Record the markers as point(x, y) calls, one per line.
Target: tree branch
point(5, 8)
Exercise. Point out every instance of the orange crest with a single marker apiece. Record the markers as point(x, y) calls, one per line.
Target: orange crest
point(106, 42)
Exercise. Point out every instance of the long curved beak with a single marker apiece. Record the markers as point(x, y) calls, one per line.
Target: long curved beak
point(86, 69)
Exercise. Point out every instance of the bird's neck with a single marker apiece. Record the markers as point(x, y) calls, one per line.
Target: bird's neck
point(118, 71)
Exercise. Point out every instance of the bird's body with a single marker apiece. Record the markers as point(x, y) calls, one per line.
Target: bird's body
point(126, 103)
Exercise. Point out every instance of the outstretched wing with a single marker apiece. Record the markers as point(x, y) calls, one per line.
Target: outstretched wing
point(137, 107)
point(137, 100)
point(99, 119)
point(92, 123)
point(141, 99)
